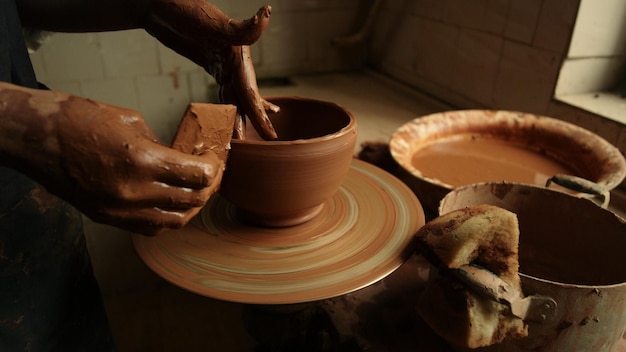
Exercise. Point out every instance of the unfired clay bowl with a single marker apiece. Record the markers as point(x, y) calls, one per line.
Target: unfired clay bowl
point(285, 182)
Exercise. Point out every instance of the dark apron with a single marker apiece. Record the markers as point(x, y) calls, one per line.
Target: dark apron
point(49, 298)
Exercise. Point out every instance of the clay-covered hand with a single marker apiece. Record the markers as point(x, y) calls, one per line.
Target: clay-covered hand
point(102, 159)
point(201, 32)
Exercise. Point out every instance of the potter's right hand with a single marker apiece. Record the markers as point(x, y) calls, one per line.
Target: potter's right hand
point(103, 160)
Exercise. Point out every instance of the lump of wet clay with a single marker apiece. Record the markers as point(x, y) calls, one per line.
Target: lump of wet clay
point(482, 235)
point(206, 128)
point(378, 153)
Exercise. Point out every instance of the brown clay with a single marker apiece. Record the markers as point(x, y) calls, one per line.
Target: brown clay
point(283, 182)
point(206, 128)
point(239, 87)
point(377, 153)
point(583, 152)
point(467, 159)
point(181, 17)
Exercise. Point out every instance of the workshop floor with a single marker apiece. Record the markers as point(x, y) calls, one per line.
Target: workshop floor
point(149, 314)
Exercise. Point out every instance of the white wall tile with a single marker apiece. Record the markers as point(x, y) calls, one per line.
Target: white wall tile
point(600, 29)
point(170, 61)
point(590, 74)
point(465, 13)
point(38, 65)
point(300, 5)
point(120, 92)
point(526, 78)
point(476, 64)
point(284, 43)
point(226, 6)
point(555, 25)
point(72, 57)
point(496, 12)
point(324, 27)
point(382, 37)
point(163, 100)
point(128, 53)
point(401, 50)
point(522, 20)
point(435, 50)
point(64, 86)
point(201, 87)
point(432, 9)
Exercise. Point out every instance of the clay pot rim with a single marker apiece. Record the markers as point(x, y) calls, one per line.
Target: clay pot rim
point(350, 127)
point(553, 193)
point(398, 152)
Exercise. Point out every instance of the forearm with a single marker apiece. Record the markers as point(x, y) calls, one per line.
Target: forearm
point(174, 22)
point(82, 15)
point(27, 133)
point(102, 159)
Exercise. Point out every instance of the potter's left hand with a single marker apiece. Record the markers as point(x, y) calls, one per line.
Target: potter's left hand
point(201, 32)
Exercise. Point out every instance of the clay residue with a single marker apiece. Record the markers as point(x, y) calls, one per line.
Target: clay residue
point(43, 199)
point(206, 128)
point(465, 159)
point(181, 19)
point(223, 51)
point(239, 87)
point(500, 190)
point(482, 235)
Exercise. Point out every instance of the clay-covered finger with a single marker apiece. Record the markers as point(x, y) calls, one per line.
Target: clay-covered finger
point(161, 195)
point(192, 174)
point(268, 106)
point(146, 221)
point(180, 169)
point(247, 32)
point(246, 92)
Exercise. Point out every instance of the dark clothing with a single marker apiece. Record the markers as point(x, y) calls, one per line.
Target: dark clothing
point(49, 299)
point(15, 66)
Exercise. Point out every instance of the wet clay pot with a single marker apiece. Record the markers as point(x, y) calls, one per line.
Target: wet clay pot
point(584, 153)
point(285, 182)
point(570, 250)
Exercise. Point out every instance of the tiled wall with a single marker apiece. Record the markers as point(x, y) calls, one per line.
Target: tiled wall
point(132, 69)
point(500, 54)
point(597, 56)
point(486, 53)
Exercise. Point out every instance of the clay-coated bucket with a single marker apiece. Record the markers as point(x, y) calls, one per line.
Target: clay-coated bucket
point(571, 250)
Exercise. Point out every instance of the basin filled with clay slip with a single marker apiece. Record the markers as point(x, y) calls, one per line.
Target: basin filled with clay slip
point(285, 182)
point(441, 151)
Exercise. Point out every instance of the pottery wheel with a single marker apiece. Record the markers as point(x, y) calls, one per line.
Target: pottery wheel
point(363, 234)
